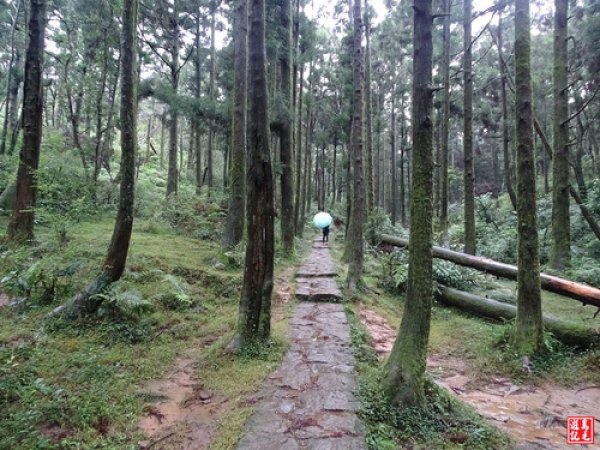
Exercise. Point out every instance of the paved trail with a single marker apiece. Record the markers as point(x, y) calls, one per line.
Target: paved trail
point(309, 402)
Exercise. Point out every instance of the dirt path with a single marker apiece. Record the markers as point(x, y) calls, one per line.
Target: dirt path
point(181, 413)
point(534, 415)
point(309, 402)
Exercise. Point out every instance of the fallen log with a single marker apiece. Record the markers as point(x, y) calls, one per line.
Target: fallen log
point(585, 294)
point(568, 333)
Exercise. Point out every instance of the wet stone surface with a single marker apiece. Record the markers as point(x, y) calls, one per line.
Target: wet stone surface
point(309, 402)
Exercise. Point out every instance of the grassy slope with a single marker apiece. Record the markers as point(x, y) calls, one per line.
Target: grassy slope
point(85, 377)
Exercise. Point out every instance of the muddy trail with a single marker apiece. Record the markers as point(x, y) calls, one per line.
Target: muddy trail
point(181, 413)
point(534, 415)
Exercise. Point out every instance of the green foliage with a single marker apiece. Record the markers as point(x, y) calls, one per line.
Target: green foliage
point(378, 222)
point(175, 297)
point(120, 303)
point(394, 273)
point(188, 215)
point(35, 282)
point(390, 427)
point(261, 350)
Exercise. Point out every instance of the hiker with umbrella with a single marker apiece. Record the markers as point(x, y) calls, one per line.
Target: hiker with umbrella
point(323, 220)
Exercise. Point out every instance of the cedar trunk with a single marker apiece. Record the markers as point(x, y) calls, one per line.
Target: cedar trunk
point(469, 170)
point(20, 227)
point(234, 228)
point(285, 134)
point(404, 372)
point(445, 124)
point(561, 226)
point(255, 302)
point(528, 334)
point(354, 242)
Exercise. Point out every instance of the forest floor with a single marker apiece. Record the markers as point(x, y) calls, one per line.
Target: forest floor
point(162, 380)
point(533, 414)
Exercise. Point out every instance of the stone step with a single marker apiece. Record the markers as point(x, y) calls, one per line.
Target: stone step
point(318, 289)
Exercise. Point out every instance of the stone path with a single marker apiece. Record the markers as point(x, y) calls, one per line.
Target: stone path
point(309, 401)
point(315, 280)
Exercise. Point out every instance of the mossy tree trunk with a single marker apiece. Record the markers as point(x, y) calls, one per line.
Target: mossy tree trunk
point(445, 123)
point(404, 372)
point(116, 258)
point(285, 133)
point(368, 112)
point(173, 173)
point(298, 226)
point(254, 322)
point(394, 165)
point(234, 227)
point(469, 168)
point(354, 240)
point(20, 227)
point(528, 335)
point(561, 225)
point(210, 149)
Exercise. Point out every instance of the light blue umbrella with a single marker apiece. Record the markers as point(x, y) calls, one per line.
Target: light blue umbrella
point(322, 219)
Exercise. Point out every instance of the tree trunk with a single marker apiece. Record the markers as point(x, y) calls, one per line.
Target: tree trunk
point(86, 302)
point(285, 134)
point(172, 175)
point(508, 171)
point(254, 321)
point(299, 176)
point(369, 113)
point(469, 171)
point(445, 123)
point(212, 95)
point(234, 228)
point(12, 81)
point(404, 375)
point(560, 256)
point(528, 337)
point(585, 294)
point(355, 242)
point(394, 164)
point(585, 212)
point(196, 119)
point(20, 227)
point(567, 333)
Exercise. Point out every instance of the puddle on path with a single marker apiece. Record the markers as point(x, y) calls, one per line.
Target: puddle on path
point(184, 414)
point(4, 299)
point(533, 415)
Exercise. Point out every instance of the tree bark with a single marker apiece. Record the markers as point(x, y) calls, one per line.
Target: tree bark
point(212, 95)
point(560, 256)
point(12, 81)
point(86, 302)
point(285, 133)
point(445, 123)
point(254, 322)
point(404, 373)
point(528, 337)
point(369, 113)
point(508, 169)
point(394, 165)
point(299, 173)
point(567, 333)
point(20, 227)
point(172, 174)
point(355, 241)
point(234, 227)
point(469, 170)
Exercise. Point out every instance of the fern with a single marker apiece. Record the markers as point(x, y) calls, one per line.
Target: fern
point(176, 296)
point(127, 304)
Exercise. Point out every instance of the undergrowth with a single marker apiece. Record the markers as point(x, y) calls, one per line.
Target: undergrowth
point(443, 422)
